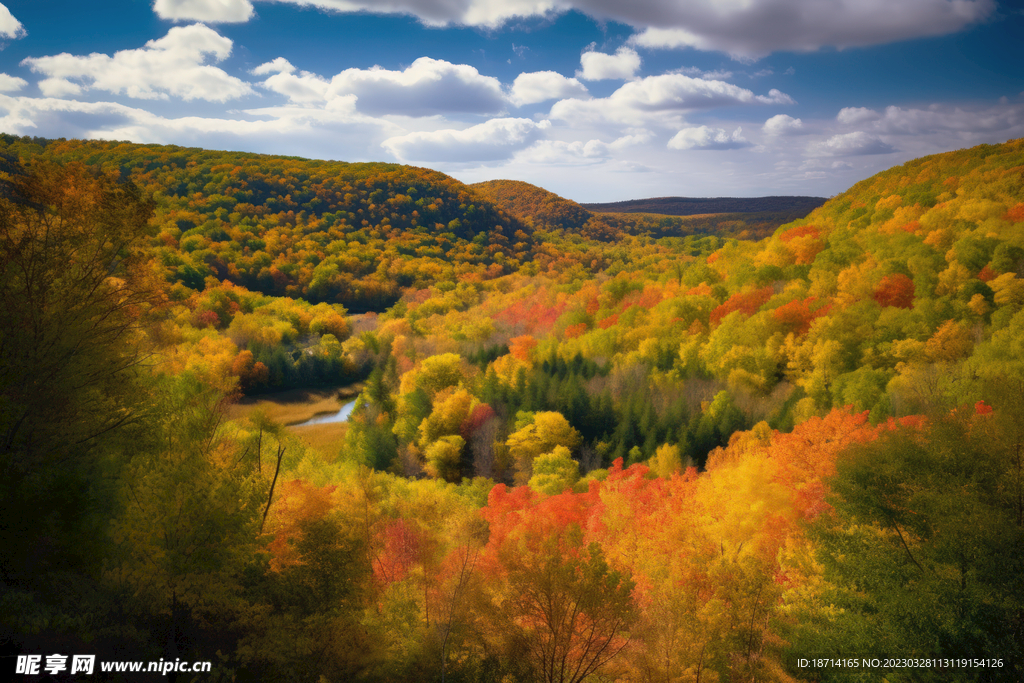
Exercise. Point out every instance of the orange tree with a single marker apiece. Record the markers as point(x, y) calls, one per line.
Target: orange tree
point(556, 602)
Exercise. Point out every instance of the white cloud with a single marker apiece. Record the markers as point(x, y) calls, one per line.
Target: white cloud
point(559, 152)
point(10, 27)
point(427, 88)
point(857, 143)
point(59, 87)
point(303, 88)
point(562, 153)
point(172, 65)
point(637, 101)
point(11, 83)
point(211, 11)
point(494, 140)
point(599, 66)
point(337, 109)
point(782, 124)
point(942, 125)
point(334, 132)
point(679, 92)
point(750, 29)
point(716, 75)
point(278, 65)
point(745, 29)
point(853, 116)
point(487, 13)
point(539, 86)
point(703, 137)
point(939, 118)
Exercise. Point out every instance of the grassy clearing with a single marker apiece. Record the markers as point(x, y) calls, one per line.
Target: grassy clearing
point(325, 438)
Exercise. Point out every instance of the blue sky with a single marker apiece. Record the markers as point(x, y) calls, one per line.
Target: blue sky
point(597, 100)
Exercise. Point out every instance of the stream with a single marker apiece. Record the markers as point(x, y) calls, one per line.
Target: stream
point(340, 416)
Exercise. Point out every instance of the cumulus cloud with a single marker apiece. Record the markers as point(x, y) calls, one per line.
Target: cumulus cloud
point(172, 65)
point(304, 87)
point(857, 143)
point(672, 93)
point(560, 152)
point(210, 11)
point(676, 91)
point(11, 83)
point(695, 72)
point(279, 65)
point(854, 116)
point(485, 13)
point(319, 133)
point(494, 140)
point(751, 29)
point(703, 137)
point(59, 87)
point(745, 29)
point(539, 86)
point(860, 141)
point(427, 88)
point(598, 66)
point(939, 118)
point(970, 125)
point(782, 124)
point(10, 27)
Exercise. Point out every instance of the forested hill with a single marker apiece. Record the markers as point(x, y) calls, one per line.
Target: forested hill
point(795, 207)
point(351, 233)
point(534, 205)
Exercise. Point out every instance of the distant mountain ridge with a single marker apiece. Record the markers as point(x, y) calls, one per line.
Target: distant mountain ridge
point(799, 206)
point(744, 218)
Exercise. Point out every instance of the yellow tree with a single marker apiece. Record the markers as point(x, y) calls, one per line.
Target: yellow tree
point(554, 472)
point(547, 430)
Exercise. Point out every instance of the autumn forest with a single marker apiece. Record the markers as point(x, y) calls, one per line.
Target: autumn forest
point(600, 443)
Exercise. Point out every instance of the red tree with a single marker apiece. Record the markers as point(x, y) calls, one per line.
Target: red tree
point(895, 290)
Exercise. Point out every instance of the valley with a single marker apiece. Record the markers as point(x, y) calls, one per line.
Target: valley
point(648, 445)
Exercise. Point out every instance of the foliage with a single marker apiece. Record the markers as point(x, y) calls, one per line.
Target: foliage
point(73, 287)
point(725, 451)
point(930, 547)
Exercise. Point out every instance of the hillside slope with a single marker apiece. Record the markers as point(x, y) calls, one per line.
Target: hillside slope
point(897, 297)
point(534, 205)
point(324, 230)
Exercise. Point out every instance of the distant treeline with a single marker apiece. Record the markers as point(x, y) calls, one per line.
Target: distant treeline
point(795, 207)
point(537, 208)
